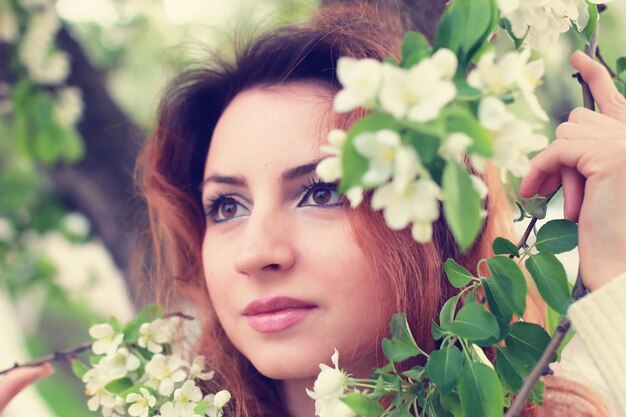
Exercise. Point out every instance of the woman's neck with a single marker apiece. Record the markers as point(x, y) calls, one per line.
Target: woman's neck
point(297, 402)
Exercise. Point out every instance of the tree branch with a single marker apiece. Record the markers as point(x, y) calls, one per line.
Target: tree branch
point(54, 356)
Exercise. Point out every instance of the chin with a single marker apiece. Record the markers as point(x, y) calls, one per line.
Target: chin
point(289, 364)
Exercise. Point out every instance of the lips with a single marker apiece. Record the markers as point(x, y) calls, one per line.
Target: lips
point(276, 314)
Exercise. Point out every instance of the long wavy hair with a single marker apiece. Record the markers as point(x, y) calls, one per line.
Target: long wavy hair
point(170, 170)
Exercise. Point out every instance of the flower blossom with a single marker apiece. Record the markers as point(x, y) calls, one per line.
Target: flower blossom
point(511, 73)
point(164, 372)
point(418, 204)
point(360, 79)
point(68, 106)
point(187, 397)
point(196, 370)
point(120, 363)
point(420, 92)
point(330, 169)
point(454, 145)
point(156, 333)
point(541, 22)
point(514, 139)
point(140, 403)
point(106, 338)
point(329, 387)
point(9, 28)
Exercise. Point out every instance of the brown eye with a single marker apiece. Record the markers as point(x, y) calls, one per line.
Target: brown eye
point(228, 209)
point(321, 196)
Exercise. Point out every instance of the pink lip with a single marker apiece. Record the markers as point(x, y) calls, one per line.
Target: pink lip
point(276, 314)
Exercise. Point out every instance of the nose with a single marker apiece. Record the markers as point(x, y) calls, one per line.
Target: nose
point(266, 245)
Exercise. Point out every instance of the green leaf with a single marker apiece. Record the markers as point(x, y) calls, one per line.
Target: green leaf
point(425, 145)
point(621, 87)
point(131, 331)
point(594, 18)
point(446, 315)
point(502, 246)
point(354, 165)
point(480, 391)
point(462, 205)
point(452, 404)
point(460, 120)
point(435, 407)
point(201, 408)
point(464, 91)
point(536, 206)
point(402, 345)
point(474, 323)
point(620, 65)
point(79, 368)
point(508, 287)
point(118, 385)
point(362, 405)
point(148, 313)
point(457, 275)
point(415, 47)
point(506, 25)
point(528, 337)
point(513, 366)
point(552, 321)
point(465, 26)
point(557, 236)
point(444, 367)
point(436, 331)
point(414, 373)
point(551, 280)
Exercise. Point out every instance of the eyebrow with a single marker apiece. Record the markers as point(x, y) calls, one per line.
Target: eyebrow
point(239, 181)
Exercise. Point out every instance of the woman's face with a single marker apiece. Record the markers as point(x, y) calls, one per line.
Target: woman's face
point(284, 272)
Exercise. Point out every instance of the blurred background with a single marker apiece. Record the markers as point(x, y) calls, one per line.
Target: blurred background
point(79, 85)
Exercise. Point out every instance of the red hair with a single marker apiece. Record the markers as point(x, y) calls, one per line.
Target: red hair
point(170, 170)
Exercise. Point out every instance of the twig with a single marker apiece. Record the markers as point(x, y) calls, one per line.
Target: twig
point(541, 368)
point(72, 352)
point(605, 64)
point(54, 356)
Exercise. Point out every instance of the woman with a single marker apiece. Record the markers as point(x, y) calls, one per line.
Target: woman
point(281, 271)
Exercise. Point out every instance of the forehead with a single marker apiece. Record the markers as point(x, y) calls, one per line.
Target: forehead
point(276, 126)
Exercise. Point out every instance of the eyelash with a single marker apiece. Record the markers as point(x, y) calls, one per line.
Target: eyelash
point(213, 206)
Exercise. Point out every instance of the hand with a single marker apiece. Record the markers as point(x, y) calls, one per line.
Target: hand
point(16, 380)
point(588, 157)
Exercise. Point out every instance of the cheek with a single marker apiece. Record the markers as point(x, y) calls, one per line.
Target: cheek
point(215, 261)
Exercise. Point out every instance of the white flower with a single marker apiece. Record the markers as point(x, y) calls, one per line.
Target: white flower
point(329, 169)
point(380, 149)
point(454, 146)
point(120, 363)
point(493, 114)
point(221, 398)
point(196, 370)
point(141, 403)
point(418, 203)
point(164, 372)
point(360, 79)
point(168, 410)
point(8, 23)
point(69, 106)
point(419, 93)
point(187, 397)
point(106, 339)
point(511, 73)
point(329, 387)
point(480, 186)
point(479, 354)
point(7, 232)
point(156, 333)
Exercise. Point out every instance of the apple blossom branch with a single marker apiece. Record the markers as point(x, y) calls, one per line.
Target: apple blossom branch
point(579, 290)
point(72, 352)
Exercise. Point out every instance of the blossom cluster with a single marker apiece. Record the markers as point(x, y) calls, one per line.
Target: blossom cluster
point(541, 22)
point(405, 188)
point(329, 387)
point(43, 62)
point(135, 373)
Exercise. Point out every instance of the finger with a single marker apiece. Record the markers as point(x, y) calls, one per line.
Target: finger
point(585, 116)
point(610, 101)
point(559, 154)
point(16, 380)
point(574, 131)
point(550, 184)
point(573, 193)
